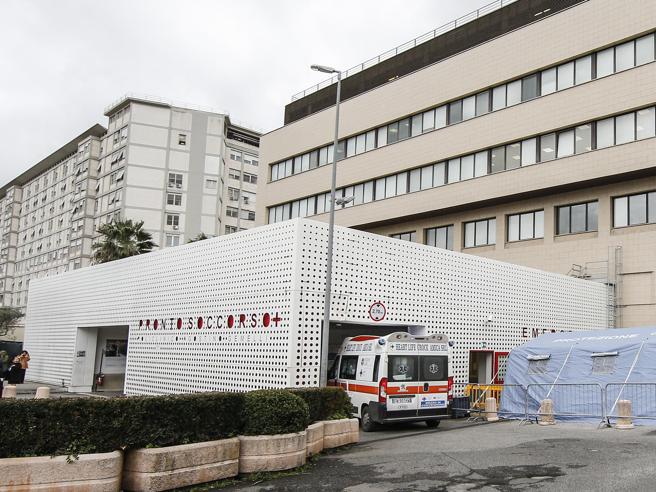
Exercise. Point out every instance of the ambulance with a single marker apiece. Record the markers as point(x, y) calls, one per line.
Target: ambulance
point(395, 378)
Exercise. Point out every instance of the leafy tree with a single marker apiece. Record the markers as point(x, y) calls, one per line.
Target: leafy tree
point(8, 318)
point(201, 237)
point(121, 239)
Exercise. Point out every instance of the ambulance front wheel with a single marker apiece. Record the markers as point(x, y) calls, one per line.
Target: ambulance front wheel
point(366, 422)
point(431, 424)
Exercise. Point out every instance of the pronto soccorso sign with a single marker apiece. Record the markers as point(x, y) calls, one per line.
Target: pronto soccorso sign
point(241, 320)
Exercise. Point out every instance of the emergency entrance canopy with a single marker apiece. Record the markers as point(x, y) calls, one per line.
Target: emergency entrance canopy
point(245, 311)
point(571, 369)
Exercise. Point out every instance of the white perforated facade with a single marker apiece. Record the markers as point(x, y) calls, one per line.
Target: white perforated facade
point(244, 311)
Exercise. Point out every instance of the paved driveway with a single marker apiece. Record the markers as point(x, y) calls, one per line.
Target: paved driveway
point(501, 456)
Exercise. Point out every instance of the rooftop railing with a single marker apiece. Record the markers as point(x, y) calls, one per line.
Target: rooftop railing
point(486, 9)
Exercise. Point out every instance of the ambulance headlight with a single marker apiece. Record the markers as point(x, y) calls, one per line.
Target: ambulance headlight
point(451, 343)
point(381, 341)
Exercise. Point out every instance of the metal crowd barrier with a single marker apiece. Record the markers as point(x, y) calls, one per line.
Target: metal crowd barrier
point(641, 395)
point(570, 400)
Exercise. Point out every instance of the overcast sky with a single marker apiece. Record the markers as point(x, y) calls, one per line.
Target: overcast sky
point(62, 62)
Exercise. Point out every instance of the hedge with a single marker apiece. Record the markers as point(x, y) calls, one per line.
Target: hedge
point(325, 403)
point(70, 426)
point(95, 425)
point(274, 412)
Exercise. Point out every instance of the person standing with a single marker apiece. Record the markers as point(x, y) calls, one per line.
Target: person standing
point(23, 359)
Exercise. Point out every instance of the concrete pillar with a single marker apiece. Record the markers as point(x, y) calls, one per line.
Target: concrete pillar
point(546, 413)
point(42, 393)
point(491, 410)
point(9, 391)
point(624, 411)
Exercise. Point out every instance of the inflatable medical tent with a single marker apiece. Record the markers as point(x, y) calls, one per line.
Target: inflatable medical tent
point(584, 374)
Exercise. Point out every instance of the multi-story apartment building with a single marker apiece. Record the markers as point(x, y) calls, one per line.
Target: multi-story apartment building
point(182, 171)
point(525, 135)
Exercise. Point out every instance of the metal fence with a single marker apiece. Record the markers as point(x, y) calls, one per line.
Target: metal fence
point(570, 400)
point(641, 395)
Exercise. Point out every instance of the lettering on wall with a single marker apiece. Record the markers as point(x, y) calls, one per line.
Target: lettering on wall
point(241, 320)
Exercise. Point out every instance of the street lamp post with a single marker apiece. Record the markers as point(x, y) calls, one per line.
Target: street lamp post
point(331, 226)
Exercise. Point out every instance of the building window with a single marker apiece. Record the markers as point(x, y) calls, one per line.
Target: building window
point(524, 226)
point(440, 237)
point(234, 174)
point(235, 156)
point(232, 212)
point(174, 199)
point(480, 233)
point(172, 240)
point(405, 236)
point(182, 139)
point(230, 229)
point(250, 178)
point(173, 220)
point(211, 184)
point(632, 126)
point(233, 194)
point(251, 215)
point(175, 180)
point(572, 219)
point(634, 209)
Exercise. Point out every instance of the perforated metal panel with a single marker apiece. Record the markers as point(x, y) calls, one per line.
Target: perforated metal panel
point(274, 276)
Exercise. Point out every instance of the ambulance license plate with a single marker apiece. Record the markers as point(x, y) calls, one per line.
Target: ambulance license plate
point(403, 400)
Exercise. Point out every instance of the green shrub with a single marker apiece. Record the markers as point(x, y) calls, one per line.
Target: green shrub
point(95, 425)
point(325, 403)
point(71, 426)
point(274, 412)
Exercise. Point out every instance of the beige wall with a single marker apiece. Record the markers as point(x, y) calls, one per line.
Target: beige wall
point(571, 33)
point(574, 32)
point(559, 253)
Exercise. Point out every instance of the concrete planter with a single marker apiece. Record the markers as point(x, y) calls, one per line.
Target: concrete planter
point(340, 432)
point(272, 453)
point(314, 438)
point(180, 466)
point(90, 473)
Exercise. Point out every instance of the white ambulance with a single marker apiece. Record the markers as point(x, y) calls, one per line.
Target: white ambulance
point(395, 378)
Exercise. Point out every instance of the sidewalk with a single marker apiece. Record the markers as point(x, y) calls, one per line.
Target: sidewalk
point(27, 391)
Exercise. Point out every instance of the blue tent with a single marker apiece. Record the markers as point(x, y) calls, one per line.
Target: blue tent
point(585, 374)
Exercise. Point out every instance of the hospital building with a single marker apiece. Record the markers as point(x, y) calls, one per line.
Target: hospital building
point(524, 132)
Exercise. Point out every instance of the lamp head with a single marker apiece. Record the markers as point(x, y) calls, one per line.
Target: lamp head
point(323, 68)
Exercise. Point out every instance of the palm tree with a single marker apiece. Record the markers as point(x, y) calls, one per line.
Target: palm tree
point(201, 237)
point(122, 238)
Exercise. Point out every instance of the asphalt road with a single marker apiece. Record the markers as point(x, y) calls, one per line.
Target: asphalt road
point(502, 456)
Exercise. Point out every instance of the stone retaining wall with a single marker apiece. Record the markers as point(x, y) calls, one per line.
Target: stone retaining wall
point(90, 473)
point(340, 432)
point(173, 467)
point(272, 453)
point(314, 441)
point(180, 466)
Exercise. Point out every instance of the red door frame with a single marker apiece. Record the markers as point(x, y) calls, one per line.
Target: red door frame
point(498, 380)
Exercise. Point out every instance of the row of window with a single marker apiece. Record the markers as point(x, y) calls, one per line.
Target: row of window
point(600, 64)
point(175, 181)
point(636, 209)
point(235, 155)
point(248, 178)
point(607, 132)
point(245, 214)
